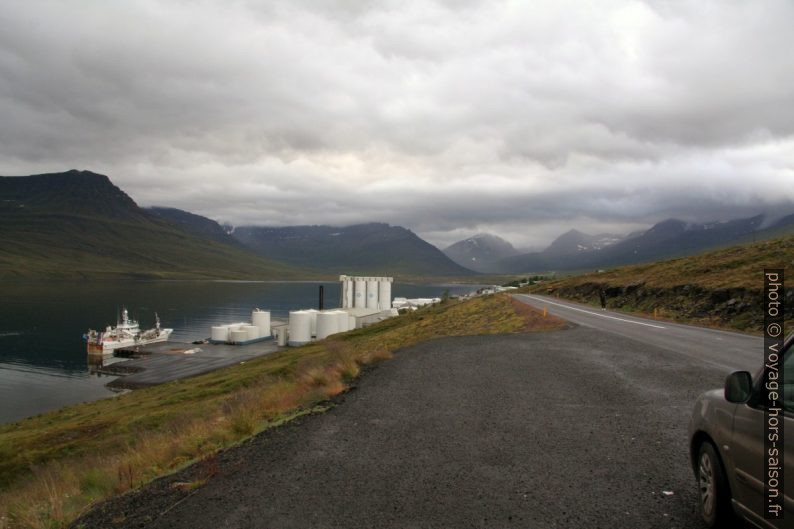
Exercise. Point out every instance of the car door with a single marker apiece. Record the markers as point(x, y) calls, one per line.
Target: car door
point(746, 447)
point(748, 456)
point(788, 425)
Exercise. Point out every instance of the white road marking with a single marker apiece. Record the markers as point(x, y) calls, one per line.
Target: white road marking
point(594, 313)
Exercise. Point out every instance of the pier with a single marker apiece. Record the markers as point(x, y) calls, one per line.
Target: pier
point(159, 363)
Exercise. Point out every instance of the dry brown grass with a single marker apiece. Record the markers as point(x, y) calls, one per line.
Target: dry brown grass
point(735, 267)
point(55, 466)
point(536, 320)
point(720, 289)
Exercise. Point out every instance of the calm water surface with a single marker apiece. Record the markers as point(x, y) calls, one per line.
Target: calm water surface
point(43, 362)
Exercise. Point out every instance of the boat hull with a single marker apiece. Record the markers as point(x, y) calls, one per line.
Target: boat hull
point(108, 346)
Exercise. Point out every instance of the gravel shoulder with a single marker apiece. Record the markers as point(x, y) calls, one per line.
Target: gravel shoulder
point(573, 428)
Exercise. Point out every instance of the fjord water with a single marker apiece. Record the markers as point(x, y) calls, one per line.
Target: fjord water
point(43, 360)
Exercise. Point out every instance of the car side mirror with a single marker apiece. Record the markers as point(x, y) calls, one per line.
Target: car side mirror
point(738, 387)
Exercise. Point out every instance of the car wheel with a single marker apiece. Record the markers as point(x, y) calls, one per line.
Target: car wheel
point(715, 496)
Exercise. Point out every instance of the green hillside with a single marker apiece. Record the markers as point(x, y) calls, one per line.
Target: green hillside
point(79, 225)
point(722, 288)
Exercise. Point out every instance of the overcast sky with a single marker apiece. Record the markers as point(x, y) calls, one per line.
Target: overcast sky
point(522, 119)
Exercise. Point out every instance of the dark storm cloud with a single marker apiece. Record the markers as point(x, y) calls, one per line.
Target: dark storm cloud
point(447, 117)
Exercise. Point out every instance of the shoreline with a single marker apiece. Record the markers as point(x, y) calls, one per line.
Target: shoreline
point(78, 451)
point(191, 307)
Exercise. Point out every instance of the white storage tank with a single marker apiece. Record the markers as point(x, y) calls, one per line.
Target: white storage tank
point(238, 336)
point(327, 324)
point(252, 331)
point(261, 318)
point(372, 293)
point(341, 321)
point(360, 294)
point(399, 303)
point(313, 314)
point(384, 294)
point(281, 336)
point(299, 327)
point(348, 293)
point(220, 333)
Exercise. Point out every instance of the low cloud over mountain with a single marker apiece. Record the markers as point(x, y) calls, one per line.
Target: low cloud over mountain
point(448, 118)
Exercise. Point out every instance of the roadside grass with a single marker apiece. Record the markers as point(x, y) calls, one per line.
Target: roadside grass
point(721, 289)
point(735, 267)
point(56, 466)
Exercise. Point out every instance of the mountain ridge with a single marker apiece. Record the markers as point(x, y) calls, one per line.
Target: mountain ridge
point(369, 248)
point(194, 224)
point(73, 191)
point(480, 251)
point(666, 239)
point(78, 224)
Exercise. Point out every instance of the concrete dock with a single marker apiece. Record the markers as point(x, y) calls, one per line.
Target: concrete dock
point(168, 361)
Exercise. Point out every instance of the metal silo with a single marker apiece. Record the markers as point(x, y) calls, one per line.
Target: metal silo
point(360, 294)
point(238, 336)
point(299, 327)
point(347, 301)
point(313, 314)
point(220, 333)
point(384, 293)
point(327, 324)
point(372, 293)
point(341, 319)
point(261, 318)
point(251, 331)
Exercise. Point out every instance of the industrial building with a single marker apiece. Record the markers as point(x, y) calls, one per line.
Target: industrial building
point(364, 300)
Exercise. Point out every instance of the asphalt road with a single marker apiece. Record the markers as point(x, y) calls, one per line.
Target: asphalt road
point(728, 350)
point(566, 429)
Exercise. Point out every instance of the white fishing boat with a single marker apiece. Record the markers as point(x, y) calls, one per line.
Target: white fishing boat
point(126, 333)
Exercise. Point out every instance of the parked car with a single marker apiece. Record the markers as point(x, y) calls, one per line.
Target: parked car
point(726, 433)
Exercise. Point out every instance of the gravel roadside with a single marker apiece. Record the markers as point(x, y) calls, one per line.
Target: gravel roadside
point(574, 428)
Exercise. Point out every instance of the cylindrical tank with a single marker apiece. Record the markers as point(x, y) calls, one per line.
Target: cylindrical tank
point(313, 314)
point(327, 324)
point(261, 318)
point(384, 294)
point(252, 331)
point(351, 322)
point(220, 333)
point(238, 336)
point(300, 322)
point(341, 321)
point(360, 294)
point(348, 301)
point(372, 293)
point(281, 336)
